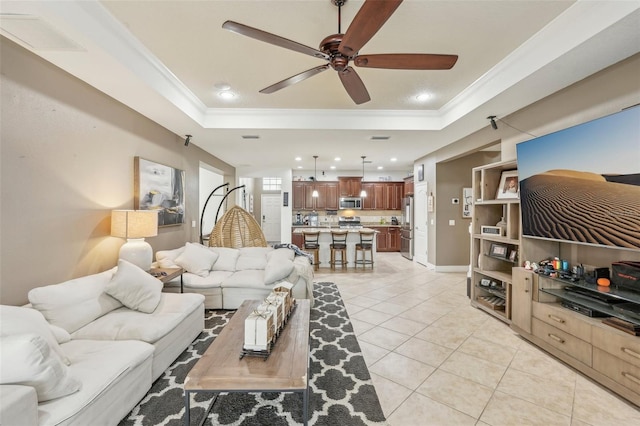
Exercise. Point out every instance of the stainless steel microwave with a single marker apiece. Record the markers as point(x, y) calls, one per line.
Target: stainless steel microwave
point(353, 203)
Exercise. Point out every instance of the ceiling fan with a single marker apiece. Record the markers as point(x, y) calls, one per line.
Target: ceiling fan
point(340, 49)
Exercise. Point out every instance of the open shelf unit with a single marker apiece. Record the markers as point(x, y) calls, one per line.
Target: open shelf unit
point(493, 255)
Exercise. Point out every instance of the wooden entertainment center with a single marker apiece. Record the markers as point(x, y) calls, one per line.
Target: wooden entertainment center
point(533, 302)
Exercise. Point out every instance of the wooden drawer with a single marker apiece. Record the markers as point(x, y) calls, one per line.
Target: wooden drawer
point(563, 319)
point(620, 345)
point(621, 372)
point(567, 343)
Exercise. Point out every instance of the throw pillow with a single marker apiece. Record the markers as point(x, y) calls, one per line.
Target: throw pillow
point(135, 288)
point(196, 259)
point(277, 269)
point(28, 360)
point(21, 320)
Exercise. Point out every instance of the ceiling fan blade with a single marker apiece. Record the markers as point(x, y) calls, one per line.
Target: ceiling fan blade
point(407, 61)
point(354, 86)
point(272, 39)
point(369, 19)
point(295, 79)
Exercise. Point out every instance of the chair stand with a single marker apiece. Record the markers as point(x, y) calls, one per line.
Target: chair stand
point(365, 245)
point(338, 246)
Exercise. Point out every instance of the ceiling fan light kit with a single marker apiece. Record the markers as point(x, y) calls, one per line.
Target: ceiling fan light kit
point(341, 49)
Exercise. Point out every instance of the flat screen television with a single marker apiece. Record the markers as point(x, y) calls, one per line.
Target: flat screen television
point(582, 184)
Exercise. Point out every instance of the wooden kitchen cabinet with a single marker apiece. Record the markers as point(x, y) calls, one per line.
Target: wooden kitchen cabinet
point(368, 201)
point(383, 195)
point(387, 238)
point(408, 185)
point(332, 195)
point(350, 186)
point(327, 196)
point(298, 200)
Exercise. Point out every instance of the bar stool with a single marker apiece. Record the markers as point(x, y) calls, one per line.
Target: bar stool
point(311, 245)
point(365, 245)
point(338, 245)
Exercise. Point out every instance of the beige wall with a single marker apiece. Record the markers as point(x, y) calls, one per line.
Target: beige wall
point(453, 242)
point(66, 161)
point(601, 94)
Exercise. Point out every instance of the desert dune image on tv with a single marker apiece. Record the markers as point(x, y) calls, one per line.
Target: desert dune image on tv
point(582, 184)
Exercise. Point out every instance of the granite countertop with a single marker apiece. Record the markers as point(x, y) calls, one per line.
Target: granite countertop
point(364, 224)
point(326, 229)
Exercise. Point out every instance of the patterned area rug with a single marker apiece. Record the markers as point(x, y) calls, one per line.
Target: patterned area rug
point(340, 387)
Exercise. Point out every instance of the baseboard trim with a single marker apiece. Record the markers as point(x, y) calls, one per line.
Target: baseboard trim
point(452, 268)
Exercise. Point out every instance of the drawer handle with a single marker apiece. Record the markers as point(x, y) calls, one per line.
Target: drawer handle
point(631, 377)
point(556, 338)
point(630, 352)
point(556, 319)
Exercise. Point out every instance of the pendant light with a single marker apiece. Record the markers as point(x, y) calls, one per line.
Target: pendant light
point(363, 193)
point(314, 194)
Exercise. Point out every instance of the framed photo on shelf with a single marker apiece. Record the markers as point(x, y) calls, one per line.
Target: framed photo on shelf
point(513, 256)
point(498, 250)
point(508, 186)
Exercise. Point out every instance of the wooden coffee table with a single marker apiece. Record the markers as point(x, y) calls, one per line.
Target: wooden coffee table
point(286, 370)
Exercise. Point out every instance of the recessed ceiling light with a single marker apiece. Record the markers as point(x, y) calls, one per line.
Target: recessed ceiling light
point(380, 167)
point(332, 167)
point(394, 159)
point(227, 94)
point(222, 86)
point(422, 97)
point(337, 159)
point(298, 159)
point(299, 167)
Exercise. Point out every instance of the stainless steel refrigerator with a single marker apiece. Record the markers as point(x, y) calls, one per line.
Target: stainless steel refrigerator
point(406, 228)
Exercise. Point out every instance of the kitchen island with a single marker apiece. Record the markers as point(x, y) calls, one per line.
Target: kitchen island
point(353, 237)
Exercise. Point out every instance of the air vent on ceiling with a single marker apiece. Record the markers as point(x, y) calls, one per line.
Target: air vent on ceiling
point(250, 137)
point(35, 32)
point(380, 138)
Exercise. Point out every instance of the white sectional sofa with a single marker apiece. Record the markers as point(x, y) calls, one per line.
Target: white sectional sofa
point(228, 276)
point(86, 351)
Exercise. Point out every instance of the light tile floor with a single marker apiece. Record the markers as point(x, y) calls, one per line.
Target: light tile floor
point(435, 360)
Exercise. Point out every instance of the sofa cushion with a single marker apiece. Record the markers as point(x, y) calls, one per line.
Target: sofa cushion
point(75, 303)
point(101, 366)
point(135, 288)
point(196, 259)
point(167, 258)
point(226, 260)
point(251, 259)
point(21, 320)
point(27, 359)
point(251, 278)
point(214, 279)
point(125, 324)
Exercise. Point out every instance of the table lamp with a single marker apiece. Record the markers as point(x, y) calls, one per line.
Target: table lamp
point(135, 225)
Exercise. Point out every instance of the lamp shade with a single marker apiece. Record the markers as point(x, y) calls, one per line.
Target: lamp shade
point(134, 223)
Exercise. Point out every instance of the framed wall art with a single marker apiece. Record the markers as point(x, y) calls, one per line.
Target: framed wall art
point(467, 202)
point(162, 188)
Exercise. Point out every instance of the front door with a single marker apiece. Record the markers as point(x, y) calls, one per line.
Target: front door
point(271, 217)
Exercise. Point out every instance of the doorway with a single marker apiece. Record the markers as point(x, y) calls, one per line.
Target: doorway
point(420, 230)
point(271, 217)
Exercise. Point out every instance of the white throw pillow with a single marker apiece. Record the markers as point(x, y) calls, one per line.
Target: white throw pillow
point(196, 259)
point(167, 258)
point(75, 303)
point(227, 258)
point(277, 269)
point(20, 320)
point(135, 288)
point(27, 359)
